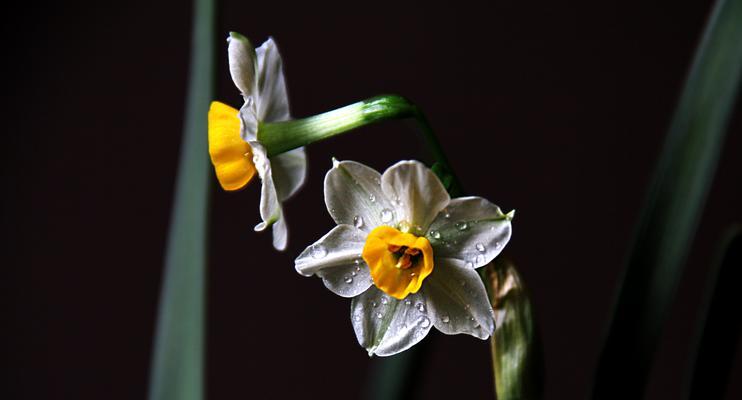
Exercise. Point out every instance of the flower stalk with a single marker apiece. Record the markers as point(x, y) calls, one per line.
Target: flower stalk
point(280, 137)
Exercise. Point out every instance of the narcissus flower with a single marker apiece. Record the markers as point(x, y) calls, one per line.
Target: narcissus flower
point(234, 147)
point(406, 253)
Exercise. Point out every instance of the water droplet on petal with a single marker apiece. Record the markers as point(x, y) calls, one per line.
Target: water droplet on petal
point(425, 322)
point(354, 273)
point(407, 302)
point(445, 319)
point(374, 304)
point(348, 279)
point(420, 307)
point(435, 234)
point(357, 318)
point(497, 245)
point(447, 214)
point(318, 251)
point(412, 274)
point(462, 226)
point(372, 197)
point(481, 247)
point(378, 315)
point(386, 215)
point(384, 300)
point(358, 221)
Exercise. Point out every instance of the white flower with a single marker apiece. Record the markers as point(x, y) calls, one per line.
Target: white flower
point(234, 147)
point(406, 253)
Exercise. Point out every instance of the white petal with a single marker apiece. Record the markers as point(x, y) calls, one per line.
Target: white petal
point(386, 326)
point(273, 100)
point(248, 121)
point(457, 300)
point(353, 196)
point(418, 195)
point(470, 229)
point(339, 247)
point(270, 206)
point(280, 234)
point(289, 172)
point(242, 63)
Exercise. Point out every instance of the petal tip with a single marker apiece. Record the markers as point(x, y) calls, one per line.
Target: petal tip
point(510, 215)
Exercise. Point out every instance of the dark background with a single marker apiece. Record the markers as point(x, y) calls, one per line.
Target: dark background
point(557, 110)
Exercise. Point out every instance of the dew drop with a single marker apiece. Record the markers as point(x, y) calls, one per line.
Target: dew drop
point(435, 234)
point(358, 221)
point(462, 226)
point(412, 274)
point(425, 322)
point(407, 302)
point(374, 304)
point(386, 215)
point(357, 262)
point(357, 318)
point(445, 319)
point(318, 251)
point(420, 307)
point(384, 300)
point(354, 273)
point(348, 279)
point(378, 315)
point(372, 198)
point(497, 245)
point(446, 213)
point(481, 247)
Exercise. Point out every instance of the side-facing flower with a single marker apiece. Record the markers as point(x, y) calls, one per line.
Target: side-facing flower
point(406, 253)
point(234, 147)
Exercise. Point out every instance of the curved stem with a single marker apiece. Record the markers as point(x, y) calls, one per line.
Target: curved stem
point(280, 137)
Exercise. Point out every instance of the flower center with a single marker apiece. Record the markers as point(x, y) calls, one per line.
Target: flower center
point(398, 261)
point(231, 156)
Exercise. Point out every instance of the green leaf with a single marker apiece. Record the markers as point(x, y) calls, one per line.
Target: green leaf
point(516, 348)
point(177, 370)
point(673, 207)
point(719, 324)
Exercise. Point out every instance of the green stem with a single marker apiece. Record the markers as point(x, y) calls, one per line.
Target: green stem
point(280, 137)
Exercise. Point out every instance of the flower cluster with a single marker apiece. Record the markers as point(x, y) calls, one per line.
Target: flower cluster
point(403, 250)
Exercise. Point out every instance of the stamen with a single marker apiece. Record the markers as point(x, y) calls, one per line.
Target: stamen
point(404, 262)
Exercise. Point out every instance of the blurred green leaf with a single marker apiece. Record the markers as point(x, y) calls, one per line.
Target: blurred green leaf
point(516, 348)
point(719, 324)
point(177, 370)
point(673, 206)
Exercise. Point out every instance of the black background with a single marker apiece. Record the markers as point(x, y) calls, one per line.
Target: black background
point(557, 110)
